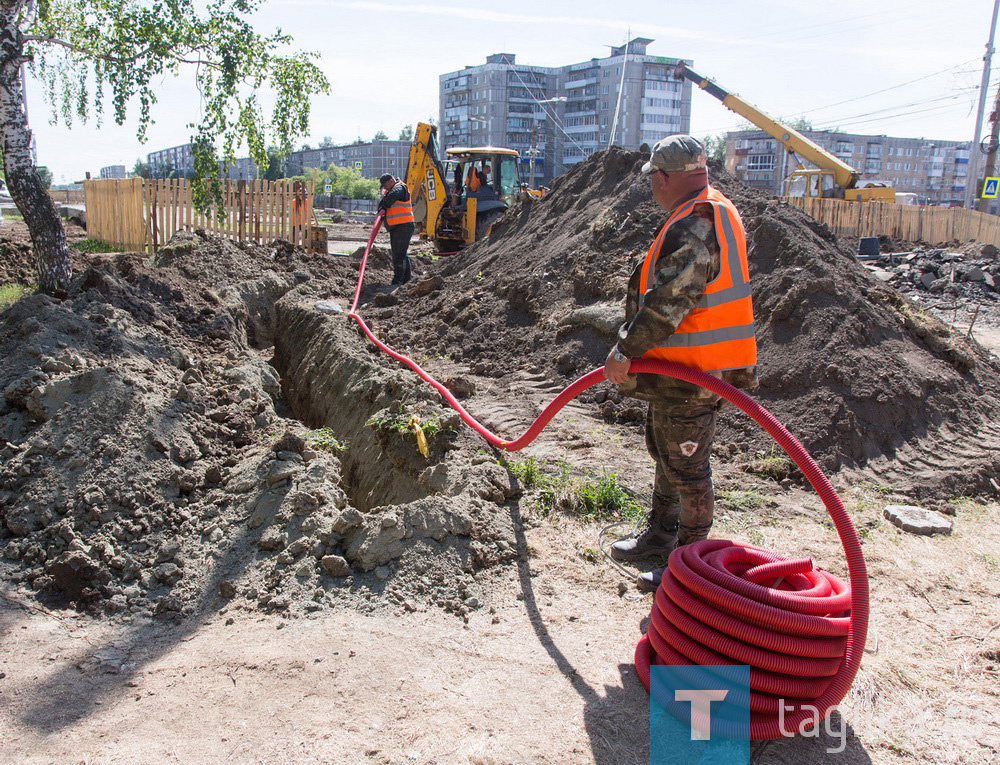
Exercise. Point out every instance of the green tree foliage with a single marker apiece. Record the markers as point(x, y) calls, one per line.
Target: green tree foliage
point(98, 55)
point(45, 176)
point(125, 47)
point(275, 165)
point(381, 136)
point(140, 169)
point(715, 147)
point(406, 134)
point(326, 143)
point(346, 181)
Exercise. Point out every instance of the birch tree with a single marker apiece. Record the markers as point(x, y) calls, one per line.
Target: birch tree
point(98, 55)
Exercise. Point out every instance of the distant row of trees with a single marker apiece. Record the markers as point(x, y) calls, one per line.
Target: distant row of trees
point(338, 175)
point(344, 181)
point(406, 134)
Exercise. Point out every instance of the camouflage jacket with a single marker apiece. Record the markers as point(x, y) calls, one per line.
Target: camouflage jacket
point(688, 260)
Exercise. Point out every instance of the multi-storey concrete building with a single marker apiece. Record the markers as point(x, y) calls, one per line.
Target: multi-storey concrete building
point(560, 115)
point(178, 160)
point(371, 158)
point(936, 171)
point(113, 171)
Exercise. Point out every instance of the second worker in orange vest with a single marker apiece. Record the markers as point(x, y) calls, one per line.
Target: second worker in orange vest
point(688, 301)
point(399, 220)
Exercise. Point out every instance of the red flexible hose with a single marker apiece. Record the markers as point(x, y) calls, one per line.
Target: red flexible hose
point(803, 635)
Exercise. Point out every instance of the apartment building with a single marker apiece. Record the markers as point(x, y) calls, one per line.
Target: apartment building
point(558, 116)
point(936, 171)
point(371, 158)
point(113, 171)
point(177, 160)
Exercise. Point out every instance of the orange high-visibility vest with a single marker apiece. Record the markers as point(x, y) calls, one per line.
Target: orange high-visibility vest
point(399, 212)
point(718, 333)
point(472, 179)
point(300, 212)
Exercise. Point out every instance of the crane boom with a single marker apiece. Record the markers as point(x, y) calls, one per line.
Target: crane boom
point(794, 142)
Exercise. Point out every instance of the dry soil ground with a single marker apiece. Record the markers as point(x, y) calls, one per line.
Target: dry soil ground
point(537, 669)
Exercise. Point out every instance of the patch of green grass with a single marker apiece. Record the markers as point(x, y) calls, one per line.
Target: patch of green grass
point(323, 438)
point(12, 213)
point(607, 499)
point(599, 498)
point(742, 500)
point(95, 245)
point(11, 293)
point(528, 472)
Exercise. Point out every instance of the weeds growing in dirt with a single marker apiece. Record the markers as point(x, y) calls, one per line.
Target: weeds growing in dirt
point(742, 500)
point(323, 438)
point(400, 423)
point(11, 293)
point(95, 245)
point(529, 472)
point(595, 498)
point(606, 499)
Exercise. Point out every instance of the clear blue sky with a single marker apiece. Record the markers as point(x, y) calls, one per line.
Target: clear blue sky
point(894, 67)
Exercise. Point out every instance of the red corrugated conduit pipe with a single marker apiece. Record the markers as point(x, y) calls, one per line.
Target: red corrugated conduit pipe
point(801, 630)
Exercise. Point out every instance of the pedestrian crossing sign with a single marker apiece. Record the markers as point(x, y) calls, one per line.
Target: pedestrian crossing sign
point(329, 188)
point(990, 188)
point(357, 164)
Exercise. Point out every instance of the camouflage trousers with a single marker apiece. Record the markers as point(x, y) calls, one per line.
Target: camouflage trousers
point(679, 439)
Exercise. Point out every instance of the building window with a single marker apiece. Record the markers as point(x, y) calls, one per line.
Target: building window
point(760, 162)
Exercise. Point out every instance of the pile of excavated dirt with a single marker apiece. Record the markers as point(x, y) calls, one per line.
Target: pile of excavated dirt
point(151, 466)
point(853, 369)
point(17, 261)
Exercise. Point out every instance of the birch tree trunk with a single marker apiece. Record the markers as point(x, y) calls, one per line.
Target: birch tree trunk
point(48, 237)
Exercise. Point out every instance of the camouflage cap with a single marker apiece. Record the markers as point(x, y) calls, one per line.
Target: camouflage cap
point(676, 154)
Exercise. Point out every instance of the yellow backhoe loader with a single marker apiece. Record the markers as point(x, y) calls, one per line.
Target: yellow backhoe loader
point(457, 199)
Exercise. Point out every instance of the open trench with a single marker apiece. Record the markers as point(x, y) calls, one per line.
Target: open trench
point(456, 498)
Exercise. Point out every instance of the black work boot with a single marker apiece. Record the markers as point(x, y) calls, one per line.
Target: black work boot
point(656, 540)
point(649, 581)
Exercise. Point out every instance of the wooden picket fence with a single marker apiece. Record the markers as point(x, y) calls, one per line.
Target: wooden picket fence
point(142, 214)
point(909, 223)
point(66, 196)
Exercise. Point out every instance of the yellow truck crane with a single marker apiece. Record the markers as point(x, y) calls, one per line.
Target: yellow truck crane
point(831, 178)
point(456, 201)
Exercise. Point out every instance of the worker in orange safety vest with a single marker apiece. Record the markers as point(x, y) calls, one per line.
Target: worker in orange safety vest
point(395, 203)
point(688, 302)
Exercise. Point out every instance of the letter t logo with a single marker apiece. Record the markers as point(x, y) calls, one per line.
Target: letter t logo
point(701, 710)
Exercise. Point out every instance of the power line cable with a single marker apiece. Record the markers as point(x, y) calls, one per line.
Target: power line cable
point(886, 90)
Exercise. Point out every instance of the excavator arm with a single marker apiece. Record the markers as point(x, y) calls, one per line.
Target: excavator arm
point(425, 180)
point(794, 142)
